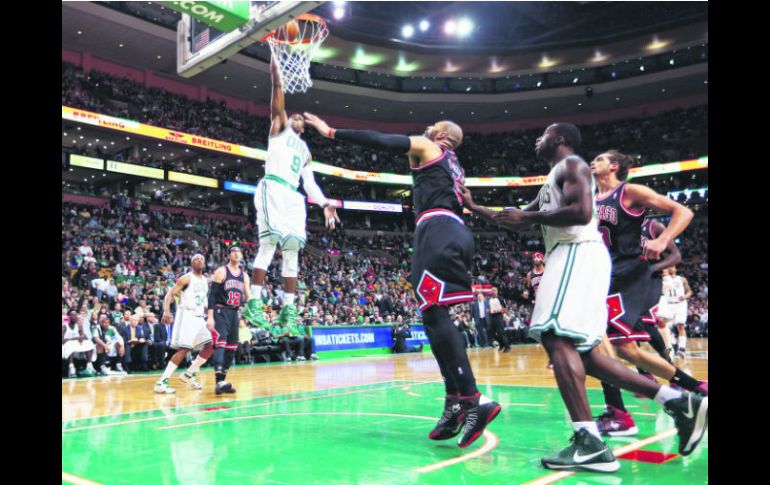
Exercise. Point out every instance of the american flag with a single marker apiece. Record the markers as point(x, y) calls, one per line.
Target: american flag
point(200, 40)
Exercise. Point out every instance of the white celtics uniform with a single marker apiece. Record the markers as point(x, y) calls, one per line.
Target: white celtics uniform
point(670, 308)
point(280, 208)
point(190, 330)
point(69, 348)
point(572, 296)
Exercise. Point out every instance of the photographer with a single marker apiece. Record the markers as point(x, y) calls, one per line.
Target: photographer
point(401, 332)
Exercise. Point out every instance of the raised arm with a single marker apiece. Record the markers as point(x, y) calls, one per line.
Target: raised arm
point(278, 118)
point(417, 147)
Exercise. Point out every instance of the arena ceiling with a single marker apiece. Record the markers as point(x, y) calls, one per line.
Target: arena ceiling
point(569, 32)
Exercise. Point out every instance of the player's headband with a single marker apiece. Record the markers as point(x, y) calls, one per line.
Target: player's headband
point(196, 257)
point(538, 256)
point(234, 248)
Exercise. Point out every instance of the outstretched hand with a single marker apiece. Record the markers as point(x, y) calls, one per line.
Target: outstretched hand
point(331, 217)
point(466, 195)
point(511, 217)
point(317, 123)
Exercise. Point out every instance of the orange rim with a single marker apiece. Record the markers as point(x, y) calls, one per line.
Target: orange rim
point(308, 17)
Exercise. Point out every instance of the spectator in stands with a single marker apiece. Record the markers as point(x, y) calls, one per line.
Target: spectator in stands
point(161, 342)
point(245, 342)
point(283, 337)
point(480, 316)
point(137, 338)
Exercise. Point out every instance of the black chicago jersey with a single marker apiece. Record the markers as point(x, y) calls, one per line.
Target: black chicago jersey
point(231, 294)
point(621, 228)
point(435, 184)
point(534, 279)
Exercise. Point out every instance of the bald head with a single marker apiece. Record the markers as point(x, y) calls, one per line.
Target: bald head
point(445, 133)
point(449, 133)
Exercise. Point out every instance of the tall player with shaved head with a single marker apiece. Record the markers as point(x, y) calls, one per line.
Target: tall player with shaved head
point(441, 263)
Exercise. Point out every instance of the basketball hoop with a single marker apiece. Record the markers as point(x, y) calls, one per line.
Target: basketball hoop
point(293, 47)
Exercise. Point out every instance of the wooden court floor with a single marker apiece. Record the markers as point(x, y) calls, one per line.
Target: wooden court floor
point(351, 420)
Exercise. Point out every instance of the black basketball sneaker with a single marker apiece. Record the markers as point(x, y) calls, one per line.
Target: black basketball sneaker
point(691, 417)
point(224, 387)
point(451, 421)
point(477, 417)
point(586, 452)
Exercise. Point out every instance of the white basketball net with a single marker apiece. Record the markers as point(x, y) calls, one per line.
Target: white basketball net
point(294, 55)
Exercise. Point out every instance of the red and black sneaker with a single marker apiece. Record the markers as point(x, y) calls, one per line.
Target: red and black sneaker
point(451, 421)
point(477, 417)
point(615, 422)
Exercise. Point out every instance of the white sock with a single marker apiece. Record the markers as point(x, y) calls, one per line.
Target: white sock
point(256, 292)
point(682, 343)
point(589, 426)
point(666, 394)
point(197, 363)
point(288, 298)
point(89, 366)
point(170, 368)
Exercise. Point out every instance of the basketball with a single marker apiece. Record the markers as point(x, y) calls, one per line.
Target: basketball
point(288, 32)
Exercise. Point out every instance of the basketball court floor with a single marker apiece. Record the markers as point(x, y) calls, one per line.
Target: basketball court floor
point(354, 420)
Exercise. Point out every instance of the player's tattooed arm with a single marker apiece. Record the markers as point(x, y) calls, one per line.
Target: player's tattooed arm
point(687, 290)
point(375, 139)
point(577, 208)
point(216, 283)
point(278, 117)
point(247, 286)
point(173, 292)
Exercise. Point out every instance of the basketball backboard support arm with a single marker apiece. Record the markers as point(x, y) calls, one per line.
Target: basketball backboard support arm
point(262, 22)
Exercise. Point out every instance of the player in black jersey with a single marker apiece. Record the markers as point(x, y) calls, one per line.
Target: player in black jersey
point(441, 263)
point(635, 284)
point(229, 290)
point(533, 281)
point(535, 274)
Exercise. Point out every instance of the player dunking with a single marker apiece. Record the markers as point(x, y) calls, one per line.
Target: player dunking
point(570, 313)
point(190, 330)
point(676, 292)
point(280, 208)
point(635, 283)
point(442, 259)
point(228, 287)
